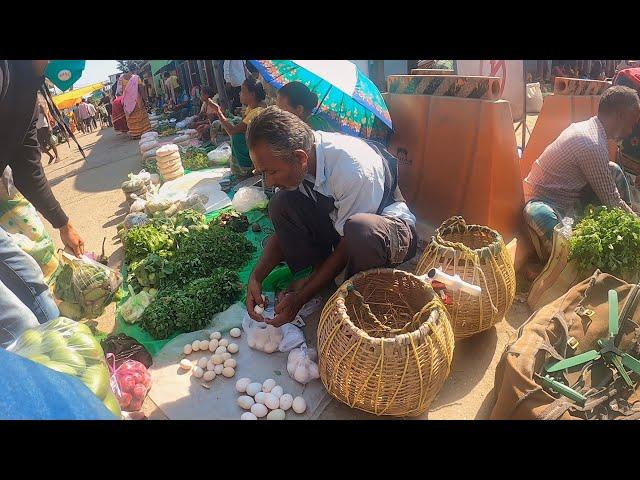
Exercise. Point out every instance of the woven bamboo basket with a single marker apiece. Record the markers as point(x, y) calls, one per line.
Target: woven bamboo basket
point(385, 343)
point(479, 256)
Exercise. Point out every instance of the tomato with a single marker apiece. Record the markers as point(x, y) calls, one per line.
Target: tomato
point(135, 405)
point(139, 391)
point(147, 380)
point(127, 382)
point(138, 377)
point(125, 399)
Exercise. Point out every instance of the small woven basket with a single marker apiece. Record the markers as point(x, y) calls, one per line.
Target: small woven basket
point(385, 343)
point(479, 256)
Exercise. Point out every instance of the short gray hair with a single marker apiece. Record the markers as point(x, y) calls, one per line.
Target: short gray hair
point(618, 98)
point(282, 131)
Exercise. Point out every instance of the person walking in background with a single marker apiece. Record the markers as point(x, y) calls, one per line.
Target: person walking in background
point(94, 115)
point(76, 116)
point(234, 75)
point(85, 116)
point(135, 103)
point(106, 103)
point(169, 88)
point(44, 131)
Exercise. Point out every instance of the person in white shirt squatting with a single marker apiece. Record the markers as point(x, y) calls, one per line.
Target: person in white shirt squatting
point(338, 207)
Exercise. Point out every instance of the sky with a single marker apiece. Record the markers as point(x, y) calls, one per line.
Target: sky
point(97, 71)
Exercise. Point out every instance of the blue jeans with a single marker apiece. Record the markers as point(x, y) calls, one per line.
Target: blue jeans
point(25, 299)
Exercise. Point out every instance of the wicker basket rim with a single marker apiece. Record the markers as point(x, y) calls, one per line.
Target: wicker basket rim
point(493, 248)
point(422, 330)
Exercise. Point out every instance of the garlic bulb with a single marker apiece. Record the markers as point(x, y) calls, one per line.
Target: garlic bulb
point(228, 372)
point(208, 376)
point(230, 363)
point(198, 372)
point(235, 332)
point(187, 349)
point(286, 400)
point(299, 405)
point(277, 391)
point(224, 342)
point(233, 348)
point(248, 416)
point(202, 363)
point(258, 410)
point(245, 401)
point(242, 384)
point(268, 385)
point(215, 336)
point(218, 369)
point(185, 364)
point(204, 345)
point(259, 397)
point(195, 346)
point(271, 401)
point(253, 388)
point(276, 414)
point(217, 359)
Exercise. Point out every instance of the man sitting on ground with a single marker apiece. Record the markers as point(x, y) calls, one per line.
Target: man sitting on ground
point(339, 206)
point(575, 171)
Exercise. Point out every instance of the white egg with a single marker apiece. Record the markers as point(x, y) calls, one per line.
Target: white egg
point(276, 414)
point(211, 366)
point(187, 349)
point(228, 372)
point(242, 384)
point(277, 391)
point(259, 397)
point(221, 349)
point(198, 372)
point(202, 363)
point(299, 405)
point(226, 356)
point(185, 364)
point(271, 401)
point(224, 342)
point(213, 344)
point(258, 309)
point(235, 332)
point(248, 416)
point(230, 363)
point(233, 348)
point(258, 410)
point(286, 400)
point(268, 385)
point(209, 376)
point(254, 388)
point(195, 346)
point(245, 401)
point(251, 342)
point(212, 336)
point(217, 359)
point(218, 369)
point(204, 345)
point(301, 374)
point(215, 336)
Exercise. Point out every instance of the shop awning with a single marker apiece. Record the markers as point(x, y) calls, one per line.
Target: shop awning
point(69, 99)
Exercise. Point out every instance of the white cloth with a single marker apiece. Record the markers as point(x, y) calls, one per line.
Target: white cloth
point(351, 172)
point(42, 121)
point(234, 72)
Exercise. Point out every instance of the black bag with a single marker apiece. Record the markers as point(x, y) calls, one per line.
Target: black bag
point(126, 348)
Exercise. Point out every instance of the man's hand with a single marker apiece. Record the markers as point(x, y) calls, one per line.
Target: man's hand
point(72, 240)
point(254, 297)
point(286, 310)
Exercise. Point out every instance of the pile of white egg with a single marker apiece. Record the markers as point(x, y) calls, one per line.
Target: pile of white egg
point(266, 399)
point(219, 363)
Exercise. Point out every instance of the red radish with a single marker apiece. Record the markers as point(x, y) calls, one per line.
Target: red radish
point(147, 380)
point(135, 405)
point(139, 391)
point(138, 377)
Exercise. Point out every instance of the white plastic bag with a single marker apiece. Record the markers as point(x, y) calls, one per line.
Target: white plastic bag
point(221, 155)
point(534, 98)
point(301, 364)
point(138, 204)
point(292, 337)
point(248, 198)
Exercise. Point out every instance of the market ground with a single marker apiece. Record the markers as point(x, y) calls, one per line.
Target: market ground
point(89, 191)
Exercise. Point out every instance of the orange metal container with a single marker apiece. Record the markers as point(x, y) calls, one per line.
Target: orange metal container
point(457, 156)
